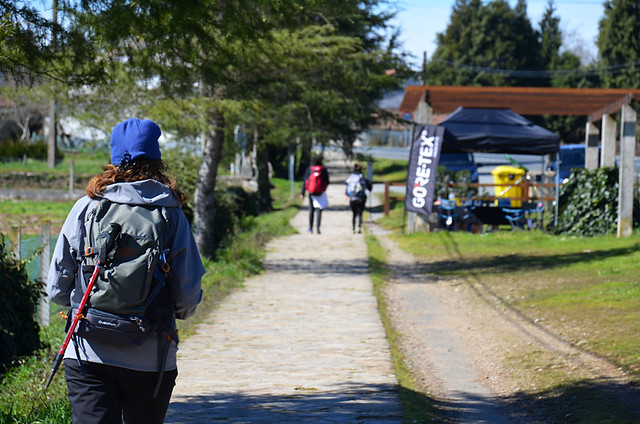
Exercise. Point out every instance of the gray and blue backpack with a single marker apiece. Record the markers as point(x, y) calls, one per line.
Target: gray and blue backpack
point(356, 188)
point(130, 299)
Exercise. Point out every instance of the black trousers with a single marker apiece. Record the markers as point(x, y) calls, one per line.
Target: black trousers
point(313, 210)
point(357, 208)
point(112, 395)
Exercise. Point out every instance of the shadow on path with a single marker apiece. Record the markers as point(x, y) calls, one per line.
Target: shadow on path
point(521, 261)
point(368, 403)
point(325, 268)
point(585, 401)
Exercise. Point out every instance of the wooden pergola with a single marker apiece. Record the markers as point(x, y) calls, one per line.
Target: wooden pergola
point(591, 102)
point(420, 102)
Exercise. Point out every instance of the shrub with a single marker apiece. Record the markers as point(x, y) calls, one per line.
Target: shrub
point(18, 304)
point(233, 204)
point(449, 181)
point(589, 203)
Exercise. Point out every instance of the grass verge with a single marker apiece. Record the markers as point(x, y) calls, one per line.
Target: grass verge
point(390, 170)
point(418, 407)
point(22, 395)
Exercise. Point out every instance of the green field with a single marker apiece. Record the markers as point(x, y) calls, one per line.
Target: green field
point(84, 162)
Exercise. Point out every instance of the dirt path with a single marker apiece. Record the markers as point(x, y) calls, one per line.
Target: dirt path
point(436, 343)
point(301, 343)
point(460, 341)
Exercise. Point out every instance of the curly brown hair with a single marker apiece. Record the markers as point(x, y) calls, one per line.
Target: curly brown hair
point(140, 169)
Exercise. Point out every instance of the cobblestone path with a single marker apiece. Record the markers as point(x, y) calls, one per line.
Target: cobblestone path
point(301, 343)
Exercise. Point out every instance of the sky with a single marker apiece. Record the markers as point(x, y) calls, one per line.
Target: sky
point(420, 20)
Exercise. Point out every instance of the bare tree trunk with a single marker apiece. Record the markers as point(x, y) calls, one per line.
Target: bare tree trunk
point(204, 202)
point(305, 157)
point(51, 141)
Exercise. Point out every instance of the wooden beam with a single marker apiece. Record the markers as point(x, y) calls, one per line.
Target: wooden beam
point(612, 107)
point(522, 100)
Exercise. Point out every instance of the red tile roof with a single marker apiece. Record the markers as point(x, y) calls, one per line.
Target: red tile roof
point(593, 102)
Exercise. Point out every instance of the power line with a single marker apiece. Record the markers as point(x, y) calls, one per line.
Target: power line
point(542, 73)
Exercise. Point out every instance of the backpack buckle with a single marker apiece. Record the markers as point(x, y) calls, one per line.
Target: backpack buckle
point(89, 251)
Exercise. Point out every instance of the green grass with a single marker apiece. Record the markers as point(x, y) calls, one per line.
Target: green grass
point(22, 395)
point(390, 170)
point(22, 398)
point(85, 162)
point(585, 289)
point(29, 215)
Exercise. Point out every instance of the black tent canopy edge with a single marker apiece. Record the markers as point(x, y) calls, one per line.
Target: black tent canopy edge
point(495, 131)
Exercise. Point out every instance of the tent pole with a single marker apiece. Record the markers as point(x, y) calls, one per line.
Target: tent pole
point(542, 191)
point(557, 178)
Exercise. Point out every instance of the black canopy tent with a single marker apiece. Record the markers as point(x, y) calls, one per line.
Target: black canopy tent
point(495, 131)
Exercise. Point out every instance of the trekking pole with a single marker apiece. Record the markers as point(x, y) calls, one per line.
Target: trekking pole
point(111, 238)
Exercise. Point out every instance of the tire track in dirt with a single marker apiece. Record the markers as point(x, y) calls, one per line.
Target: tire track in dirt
point(489, 332)
point(433, 342)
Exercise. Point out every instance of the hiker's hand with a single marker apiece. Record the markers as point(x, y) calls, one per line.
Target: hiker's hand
point(302, 196)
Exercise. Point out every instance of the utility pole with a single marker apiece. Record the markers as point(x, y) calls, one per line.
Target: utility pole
point(424, 68)
point(51, 140)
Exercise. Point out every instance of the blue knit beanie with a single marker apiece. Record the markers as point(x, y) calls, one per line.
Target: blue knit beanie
point(135, 138)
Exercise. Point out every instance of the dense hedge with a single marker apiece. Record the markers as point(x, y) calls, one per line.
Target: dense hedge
point(15, 150)
point(589, 203)
point(233, 204)
point(18, 305)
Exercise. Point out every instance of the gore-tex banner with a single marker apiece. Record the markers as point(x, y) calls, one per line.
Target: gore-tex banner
point(423, 168)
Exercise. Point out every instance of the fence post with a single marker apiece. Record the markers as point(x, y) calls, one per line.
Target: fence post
point(526, 187)
point(72, 175)
point(386, 198)
point(45, 258)
point(15, 238)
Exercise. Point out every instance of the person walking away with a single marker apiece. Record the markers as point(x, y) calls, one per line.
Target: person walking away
point(316, 181)
point(357, 185)
point(150, 277)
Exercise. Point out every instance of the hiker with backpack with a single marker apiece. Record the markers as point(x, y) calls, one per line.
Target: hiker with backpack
point(355, 192)
point(130, 242)
point(316, 181)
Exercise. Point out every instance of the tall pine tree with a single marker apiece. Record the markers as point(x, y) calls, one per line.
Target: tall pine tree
point(563, 71)
point(481, 43)
point(619, 44)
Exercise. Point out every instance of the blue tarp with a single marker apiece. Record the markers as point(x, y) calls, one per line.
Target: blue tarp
point(495, 131)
